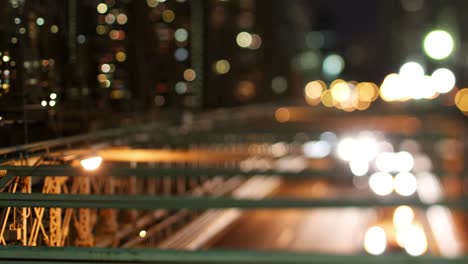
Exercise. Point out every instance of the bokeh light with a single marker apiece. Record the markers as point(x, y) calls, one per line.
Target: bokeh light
point(412, 82)
point(91, 163)
point(411, 69)
point(444, 80)
point(221, 66)
point(415, 241)
point(122, 19)
point(444, 231)
point(105, 68)
point(282, 115)
point(333, 65)
point(381, 183)
point(181, 87)
point(403, 216)
point(159, 100)
point(313, 92)
point(181, 35)
point(40, 21)
point(429, 188)
point(461, 99)
point(327, 99)
point(256, 42)
point(367, 147)
point(405, 184)
point(375, 240)
point(168, 16)
point(438, 44)
point(308, 60)
point(359, 167)
point(110, 19)
point(189, 75)
point(394, 162)
point(367, 92)
point(279, 149)
point(329, 137)
point(244, 39)
point(54, 29)
point(389, 90)
point(101, 29)
point(181, 54)
point(340, 91)
point(346, 148)
point(120, 56)
point(316, 149)
point(152, 3)
point(422, 163)
point(405, 161)
point(101, 8)
point(412, 5)
point(245, 90)
point(279, 84)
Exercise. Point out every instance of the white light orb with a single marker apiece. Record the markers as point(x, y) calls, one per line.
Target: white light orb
point(391, 88)
point(329, 137)
point(346, 148)
point(429, 188)
point(416, 242)
point(405, 161)
point(244, 39)
point(444, 80)
point(381, 183)
point(333, 65)
point(279, 149)
point(316, 149)
point(359, 167)
point(181, 35)
point(403, 216)
point(411, 81)
point(91, 163)
point(405, 184)
point(411, 69)
point(386, 161)
point(385, 146)
point(368, 148)
point(438, 44)
point(375, 240)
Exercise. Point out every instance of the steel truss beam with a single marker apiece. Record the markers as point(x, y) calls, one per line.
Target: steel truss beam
point(64, 143)
point(194, 202)
point(14, 254)
point(121, 171)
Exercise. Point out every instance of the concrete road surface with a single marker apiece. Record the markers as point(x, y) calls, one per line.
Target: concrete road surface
point(334, 231)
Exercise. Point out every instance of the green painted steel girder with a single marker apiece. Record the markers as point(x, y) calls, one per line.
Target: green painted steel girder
point(288, 133)
point(6, 179)
point(101, 135)
point(194, 202)
point(121, 171)
point(17, 254)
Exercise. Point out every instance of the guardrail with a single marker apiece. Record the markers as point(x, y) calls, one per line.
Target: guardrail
point(146, 255)
point(78, 195)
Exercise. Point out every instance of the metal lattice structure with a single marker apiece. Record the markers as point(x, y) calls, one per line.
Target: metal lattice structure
point(55, 210)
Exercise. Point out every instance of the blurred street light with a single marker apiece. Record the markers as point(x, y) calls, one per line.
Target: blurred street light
point(91, 163)
point(375, 240)
point(381, 183)
point(438, 44)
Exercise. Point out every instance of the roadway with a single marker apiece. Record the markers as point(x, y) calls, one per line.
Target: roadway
point(334, 231)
